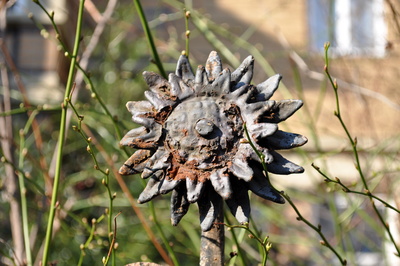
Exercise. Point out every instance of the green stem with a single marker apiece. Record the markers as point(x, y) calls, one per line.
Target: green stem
point(317, 229)
point(149, 37)
point(90, 238)
point(105, 181)
point(162, 235)
point(242, 255)
point(57, 176)
point(187, 32)
point(21, 180)
point(259, 154)
point(265, 245)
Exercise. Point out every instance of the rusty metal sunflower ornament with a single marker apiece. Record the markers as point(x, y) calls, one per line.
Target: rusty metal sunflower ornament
point(192, 139)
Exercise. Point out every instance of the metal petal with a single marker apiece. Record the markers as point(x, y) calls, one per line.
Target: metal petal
point(282, 140)
point(139, 107)
point(201, 76)
point(213, 66)
point(255, 112)
point(240, 167)
point(159, 161)
point(247, 97)
point(142, 138)
point(152, 188)
point(157, 100)
point(261, 186)
point(168, 185)
point(244, 73)
point(136, 163)
point(267, 88)
point(144, 121)
point(247, 152)
point(283, 110)
point(194, 189)
point(239, 92)
point(282, 166)
point(183, 69)
point(175, 86)
point(220, 181)
point(240, 203)
point(223, 81)
point(209, 204)
point(179, 88)
point(156, 83)
point(261, 130)
point(179, 204)
point(133, 134)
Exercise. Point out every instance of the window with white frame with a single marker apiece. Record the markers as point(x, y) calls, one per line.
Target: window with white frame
point(353, 27)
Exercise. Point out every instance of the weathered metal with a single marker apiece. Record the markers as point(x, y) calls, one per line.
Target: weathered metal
point(192, 138)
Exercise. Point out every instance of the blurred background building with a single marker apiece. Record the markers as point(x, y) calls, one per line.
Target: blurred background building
point(290, 34)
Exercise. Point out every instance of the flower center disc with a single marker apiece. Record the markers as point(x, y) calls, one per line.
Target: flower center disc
point(200, 130)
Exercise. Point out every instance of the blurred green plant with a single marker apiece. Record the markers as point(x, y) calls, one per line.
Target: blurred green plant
point(74, 231)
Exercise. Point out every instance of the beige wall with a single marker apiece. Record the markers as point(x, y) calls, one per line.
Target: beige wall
point(369, 82)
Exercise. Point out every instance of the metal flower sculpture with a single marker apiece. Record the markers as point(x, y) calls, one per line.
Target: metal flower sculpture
point(193, 141)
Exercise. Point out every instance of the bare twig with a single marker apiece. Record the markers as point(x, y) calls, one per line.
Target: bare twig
point(114, 239)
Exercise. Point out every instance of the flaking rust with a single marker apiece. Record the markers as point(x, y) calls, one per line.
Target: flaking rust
point(192, 140)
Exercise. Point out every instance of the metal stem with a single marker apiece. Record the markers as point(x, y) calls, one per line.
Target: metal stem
point(213, 241)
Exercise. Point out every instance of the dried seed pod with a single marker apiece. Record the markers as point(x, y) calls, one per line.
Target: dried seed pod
point(192, 140)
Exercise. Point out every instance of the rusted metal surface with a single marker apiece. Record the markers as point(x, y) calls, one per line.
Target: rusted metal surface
point(192, 140)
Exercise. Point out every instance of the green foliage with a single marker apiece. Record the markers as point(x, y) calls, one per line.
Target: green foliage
point(92, 211)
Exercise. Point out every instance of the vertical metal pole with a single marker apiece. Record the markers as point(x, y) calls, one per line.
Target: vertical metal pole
point(213, 241)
